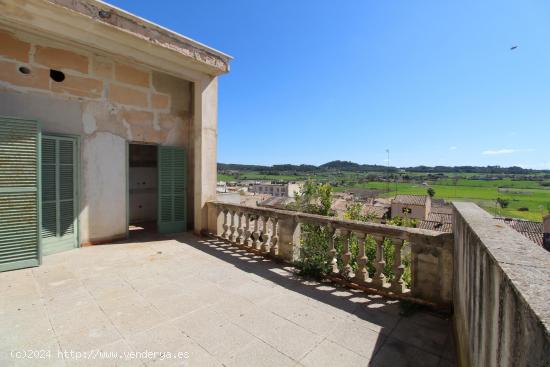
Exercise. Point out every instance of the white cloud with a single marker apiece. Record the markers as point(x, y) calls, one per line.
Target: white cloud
point(453, 148)
point(505, 151)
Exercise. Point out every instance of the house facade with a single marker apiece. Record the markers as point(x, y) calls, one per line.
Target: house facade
point(105, 119)
point(411, 206)
point(287, 189)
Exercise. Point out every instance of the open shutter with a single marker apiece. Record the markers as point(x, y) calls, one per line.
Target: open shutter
point(172, 213)
point(19, 194)
point(58, 194)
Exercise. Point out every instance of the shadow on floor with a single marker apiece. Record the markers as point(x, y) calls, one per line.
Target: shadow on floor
point(401, 339)
point(422, 338)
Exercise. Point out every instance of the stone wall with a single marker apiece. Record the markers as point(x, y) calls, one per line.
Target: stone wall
point(107, 101)
point(500, 296)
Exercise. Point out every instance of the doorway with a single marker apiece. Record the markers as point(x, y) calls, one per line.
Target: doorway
point(143, 188)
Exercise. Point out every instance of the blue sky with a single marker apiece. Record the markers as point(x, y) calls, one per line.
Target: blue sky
point(434, 81)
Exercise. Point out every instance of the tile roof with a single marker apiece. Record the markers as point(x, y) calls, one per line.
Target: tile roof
point(531, 230)
point(410, 199)
point(439, 217)
point(522, 225)
point(535, 237)
point(435, 226)
point(441, 209)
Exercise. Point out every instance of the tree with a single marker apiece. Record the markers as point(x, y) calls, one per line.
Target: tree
point(503, 203)
point(314, 199)
point(431, 192)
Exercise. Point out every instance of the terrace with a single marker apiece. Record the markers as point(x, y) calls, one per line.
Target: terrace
point(225, 300)
point(220, 304)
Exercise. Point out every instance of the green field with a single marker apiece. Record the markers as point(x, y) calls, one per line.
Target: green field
point(520, 193)
point(484, 196)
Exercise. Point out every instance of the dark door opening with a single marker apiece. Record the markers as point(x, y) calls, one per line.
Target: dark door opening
point(143, 188)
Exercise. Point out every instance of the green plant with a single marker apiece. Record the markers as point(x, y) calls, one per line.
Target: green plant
point(314, 199)
point(431, 192)
point(402, 222)
point(503, 203)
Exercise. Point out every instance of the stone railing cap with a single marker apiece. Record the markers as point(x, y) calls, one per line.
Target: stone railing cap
point(376, 228)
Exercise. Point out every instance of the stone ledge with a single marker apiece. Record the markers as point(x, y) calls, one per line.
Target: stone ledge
point(526, 265)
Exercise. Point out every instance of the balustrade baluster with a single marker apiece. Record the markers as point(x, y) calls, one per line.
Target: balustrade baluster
point(379, 279)
point(256, 233)
point(225, 234)
point(347, 270)
point(362, 274)
point(332, 260)
point(274, 250)
point(248, 230)
point(233, 227)
point(397, 284)
point(265, 235)
point(240, 229)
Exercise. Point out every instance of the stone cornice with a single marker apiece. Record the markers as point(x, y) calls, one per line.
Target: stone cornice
point(101, 26)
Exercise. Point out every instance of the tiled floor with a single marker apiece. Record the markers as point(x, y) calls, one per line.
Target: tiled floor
point(124, 304)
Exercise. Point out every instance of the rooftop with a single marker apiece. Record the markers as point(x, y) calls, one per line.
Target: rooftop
point(410, 199)
point(440, 217)
point(435, 226)
point(222, 305)
point(531, 230)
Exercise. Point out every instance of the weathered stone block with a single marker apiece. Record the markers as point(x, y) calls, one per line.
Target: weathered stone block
point(141, 126)
point(13, 48)
point(79, 86)
point(57, 58)
point(160, 101)
point(38, 78)
point(127, 96)
point(131, 75)
point(102, 68)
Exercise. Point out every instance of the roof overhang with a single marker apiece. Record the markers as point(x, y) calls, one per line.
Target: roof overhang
point(101, 26)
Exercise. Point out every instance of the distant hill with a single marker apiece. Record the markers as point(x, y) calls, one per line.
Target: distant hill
point(355, 167)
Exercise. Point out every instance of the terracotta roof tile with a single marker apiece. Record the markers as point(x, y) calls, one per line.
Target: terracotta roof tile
point(438, 217)
point(410, 199)
point(435, 226)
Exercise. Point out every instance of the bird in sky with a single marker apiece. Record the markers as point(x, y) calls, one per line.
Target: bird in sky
point(513, 48)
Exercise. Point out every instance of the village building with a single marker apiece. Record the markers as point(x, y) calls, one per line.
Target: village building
point(411, 206)
point(287, 189)
point(107, 120)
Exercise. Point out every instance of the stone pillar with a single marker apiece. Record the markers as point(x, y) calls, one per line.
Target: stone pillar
point(215, 219)
point(289, 238)
point(432, 268)
point(204, 146)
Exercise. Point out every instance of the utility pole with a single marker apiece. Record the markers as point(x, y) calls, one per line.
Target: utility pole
point(388, 172)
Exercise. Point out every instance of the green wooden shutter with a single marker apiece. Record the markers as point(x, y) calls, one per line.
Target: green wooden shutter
point(19, 194)
point(172, 213)
point(59, 166)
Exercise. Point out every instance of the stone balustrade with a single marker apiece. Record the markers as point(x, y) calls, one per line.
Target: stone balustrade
point(280, 234)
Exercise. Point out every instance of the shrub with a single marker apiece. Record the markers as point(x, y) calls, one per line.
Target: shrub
point(316, 199)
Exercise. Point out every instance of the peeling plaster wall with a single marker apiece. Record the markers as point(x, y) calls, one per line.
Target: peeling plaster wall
point(107, 102)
